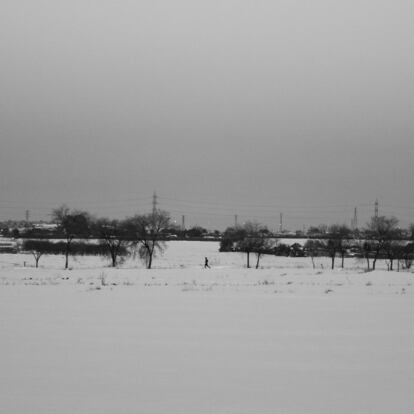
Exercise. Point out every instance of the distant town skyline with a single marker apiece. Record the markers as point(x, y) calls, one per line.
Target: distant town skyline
point(218, 216)
point(221, 107)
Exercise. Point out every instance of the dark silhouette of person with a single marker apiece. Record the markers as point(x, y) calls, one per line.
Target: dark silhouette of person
point(206, 263)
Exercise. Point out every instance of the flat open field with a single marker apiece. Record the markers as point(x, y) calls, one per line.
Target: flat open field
point(285, 338)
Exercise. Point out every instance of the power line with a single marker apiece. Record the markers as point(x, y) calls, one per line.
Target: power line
point(223, 204)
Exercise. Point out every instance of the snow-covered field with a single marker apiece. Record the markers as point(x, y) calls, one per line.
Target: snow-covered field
point(285, 338)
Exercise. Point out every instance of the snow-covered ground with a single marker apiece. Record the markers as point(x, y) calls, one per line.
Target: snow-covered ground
point(285, 338)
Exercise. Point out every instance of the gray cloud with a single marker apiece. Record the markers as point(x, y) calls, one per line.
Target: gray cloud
point(286, 103)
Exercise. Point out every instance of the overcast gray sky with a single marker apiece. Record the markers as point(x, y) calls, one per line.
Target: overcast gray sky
point(223, 107)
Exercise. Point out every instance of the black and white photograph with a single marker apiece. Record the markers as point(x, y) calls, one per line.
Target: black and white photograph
point(206, 207)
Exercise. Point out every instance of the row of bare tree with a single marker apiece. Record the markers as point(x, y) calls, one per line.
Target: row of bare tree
point(381, 238)
point(140, 231)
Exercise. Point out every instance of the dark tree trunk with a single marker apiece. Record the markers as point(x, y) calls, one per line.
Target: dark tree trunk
point(113, 256)
point(248, 260)
point(150, 253)
point(343, 258)
point(257, 263)
point(377, 253)
point(333, 261)
point(67, 252)
point(113, 251)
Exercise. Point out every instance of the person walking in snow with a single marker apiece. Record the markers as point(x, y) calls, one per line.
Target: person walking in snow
point(206, 263)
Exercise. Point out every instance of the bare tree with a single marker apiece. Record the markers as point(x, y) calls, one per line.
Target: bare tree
point(334, 245)
point(36, 248)
point(264, 243)
point(71, 223)
point(146, 231)
point(37, 255)
point(344, 238)
point(365, 248)
point(408, 255)
point(313, 249)
point(380, 232)
point(393, 249)
point(113, 236)
point(255, 239)
point(247, 243)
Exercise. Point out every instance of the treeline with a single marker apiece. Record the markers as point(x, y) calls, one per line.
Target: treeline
point(79, 248)
point(117, 238)
point(381, 238)
point(142, 234)
point(49, 231)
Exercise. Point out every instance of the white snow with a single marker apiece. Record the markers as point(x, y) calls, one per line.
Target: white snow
point(285, 338)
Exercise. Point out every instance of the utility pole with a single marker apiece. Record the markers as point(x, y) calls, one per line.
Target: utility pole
point(183, 223)
point(376, 209)
point(27, 216)
point(281, 223)
point(154, 203)
point(235, 220)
